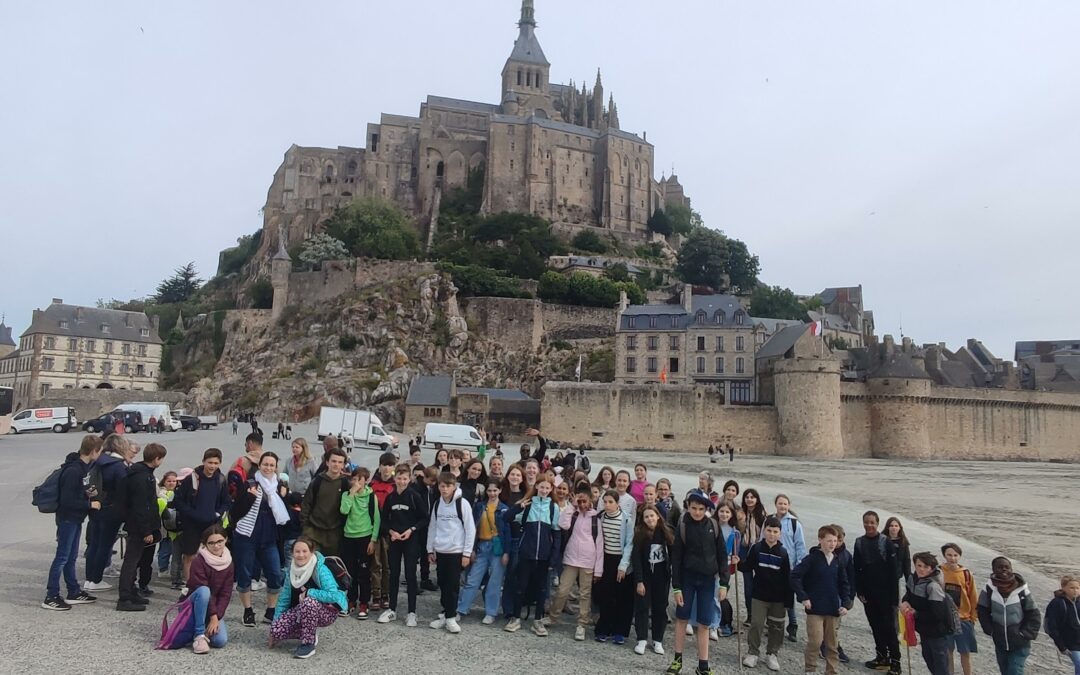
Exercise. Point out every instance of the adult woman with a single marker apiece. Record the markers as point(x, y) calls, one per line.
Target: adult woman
point(301, 467)
point(894, 530)
point(614, 590)
point(474, 483)
point(257, 512)
point(705, 487)
point(626, 500)
point(310, 600)
point(210, 587)
point(752, 531)
point(665, 502)
point(730, 491)
point(641, 479)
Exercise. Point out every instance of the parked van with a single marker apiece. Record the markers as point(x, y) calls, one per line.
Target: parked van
point(365, 428)
point(452, 436)
point(159, 411)
point(59, 420)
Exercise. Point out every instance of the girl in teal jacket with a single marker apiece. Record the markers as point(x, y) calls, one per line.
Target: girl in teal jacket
point(310, 599)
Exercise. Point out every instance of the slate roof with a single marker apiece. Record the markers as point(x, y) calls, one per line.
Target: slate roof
point(784, 340)
point(462, 104)
point(728, 305)
point(497, 394)
point(773, 326)
point(5, 335)
point(430, 390)
point(899, 365)
point(527, 48)
point(86, 322)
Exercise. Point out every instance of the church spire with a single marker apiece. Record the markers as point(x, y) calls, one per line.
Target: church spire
point(528, 15)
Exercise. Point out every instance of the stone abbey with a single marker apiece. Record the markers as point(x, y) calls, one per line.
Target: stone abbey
point(554, 150)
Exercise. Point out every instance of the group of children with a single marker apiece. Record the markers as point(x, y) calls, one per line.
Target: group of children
point(530, 541)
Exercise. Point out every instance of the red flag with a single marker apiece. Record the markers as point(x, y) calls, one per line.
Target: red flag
point(907, 628)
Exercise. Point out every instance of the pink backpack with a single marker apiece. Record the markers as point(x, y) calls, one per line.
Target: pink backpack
point(181, 631)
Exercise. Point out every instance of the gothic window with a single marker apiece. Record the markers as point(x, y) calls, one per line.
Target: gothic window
point(350, 169)
point(328, 172)
point(528, 79)
point(519, 78)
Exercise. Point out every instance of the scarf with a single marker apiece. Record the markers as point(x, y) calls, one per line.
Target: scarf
point(218, 562)
point(270, 490)
point(1004, 583)
point(300, 575)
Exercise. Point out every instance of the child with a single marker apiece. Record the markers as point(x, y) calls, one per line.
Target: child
point(583, 558)
point(848, 561)
point(725, 515)
point(821, 585)
point(791, 535)
point(76, 500)
point(1063, 619)
point(309, 600)
point(637, 486)
point(403, 513)
point(698, 561)
point(927, 599)
point(539, 546)
point(613, 590)
point(450, 540)
point(651, 567)
point(769, 567)
point(876, 572)
point(424, 485)
point(895, 531)
point(383, 485)
point(170, 561)
point(1008, 614)
point(361, 511)
point(492, 535)
point(960, 585)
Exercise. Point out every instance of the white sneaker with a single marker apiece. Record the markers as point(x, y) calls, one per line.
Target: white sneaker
point(750, 660)
point(513, 625)
point(410, 620)
point(579, 633)
point(452, 626)
point(658, 648)
point(438, 623)
point(258, 585)
point(639, 648)
point(488, 620)
point(714, 635)
point(99, 586)
point(539, 629)
point(387, 616)
point(111, 571)
point(772, 663)
point(689, 629)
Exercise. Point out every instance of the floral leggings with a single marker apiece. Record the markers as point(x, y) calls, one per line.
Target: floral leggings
point(302, 620)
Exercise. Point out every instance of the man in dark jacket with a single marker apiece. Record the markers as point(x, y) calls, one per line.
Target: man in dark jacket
point(877, 574)
point(137, 500)
point(201, 500)
point(76, 499)
point(821, 585)
point(321, 509)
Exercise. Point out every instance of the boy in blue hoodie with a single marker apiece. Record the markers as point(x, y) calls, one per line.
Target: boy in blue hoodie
point(76, 500)
point(1063, 620)
point(821, 584)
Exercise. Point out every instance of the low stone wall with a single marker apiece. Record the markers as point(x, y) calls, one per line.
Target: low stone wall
point(338, 277)
point(90, 403)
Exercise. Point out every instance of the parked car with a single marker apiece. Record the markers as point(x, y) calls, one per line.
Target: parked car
point(187, 422)
point(133, 422)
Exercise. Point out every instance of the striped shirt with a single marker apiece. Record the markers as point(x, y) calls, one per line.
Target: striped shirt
point(611, 526)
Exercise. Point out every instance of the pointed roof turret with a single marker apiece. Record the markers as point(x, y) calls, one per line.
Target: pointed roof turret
point(526, 46)
point(5, 334)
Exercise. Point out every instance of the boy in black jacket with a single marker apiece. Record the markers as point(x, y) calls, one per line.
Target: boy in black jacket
point(770, 565)
point(424, 486)
point(402, 514)
point(76, 500)
point(142, 521)
point(821, 585)
point(698, 559)
point(877, 574)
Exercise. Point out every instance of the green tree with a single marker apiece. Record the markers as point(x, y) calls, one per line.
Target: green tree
point(473, 280)
point(180, 286)
point(322, 247)
point(711, 259)
point(585, 289)
point(776, 303)
point(742, 268)
point(589, 242)
point(467, 200)
point(514, 244)
point(617, 272)
point(683, 219)
point(374, 228)
point(262, 294)
point(233, 259)
point(660, 223)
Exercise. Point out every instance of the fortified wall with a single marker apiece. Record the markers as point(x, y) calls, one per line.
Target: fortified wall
point(91, 403)
point(817, 415)
point(338, 277)
point(523, 321)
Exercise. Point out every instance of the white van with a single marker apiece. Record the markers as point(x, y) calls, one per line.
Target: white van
point(160, 411)
point(451, 436)
point(364, 427)
point(59, 420)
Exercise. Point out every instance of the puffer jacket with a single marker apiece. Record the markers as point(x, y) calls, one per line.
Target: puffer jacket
point(1012, 621)
point(539, 524)
point(327, 592)
point(927, 598)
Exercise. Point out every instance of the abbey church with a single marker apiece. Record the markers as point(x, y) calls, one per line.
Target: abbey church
point(554, 150)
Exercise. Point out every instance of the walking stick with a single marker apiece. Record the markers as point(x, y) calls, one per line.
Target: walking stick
point(735, 620)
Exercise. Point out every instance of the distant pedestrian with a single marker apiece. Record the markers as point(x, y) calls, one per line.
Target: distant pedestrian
point(731, 452)
point(281, 430)
point(235, 424)
point(288, 432)
point(712, 455)
point(153, 424)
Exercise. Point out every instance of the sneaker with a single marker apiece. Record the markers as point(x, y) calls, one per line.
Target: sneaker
point(387, 616)
point(259, 586)
point(879, 663)
point(618, 639)
point(138, 599)
point(844, 658)
point(112, 571)
point(56, 603)
point(146, 590)
point(639, 648)
point(600, 637)
point(83, 598)
point(539, 629)
point(129, 606)
point(99, 586)
point(452, 625)
point(513, 625)
point(487, 620)
point(658, 648)
point(894, 668)
point(361, 612)
point(200, 645)
point(699, 671)
point(750, 660)
point(772, 663)
point(714, 635)
point(792, 632)
point(410, 620)
point(385, 602)
point(726, 631)
point(438, 623)
point(429, 585)
point(304, 651)
point(249, 617)
point(549, 620)
point(689, 629)
point(268, 615)
point(579, 633)
point(675, 668)
point(177, 585)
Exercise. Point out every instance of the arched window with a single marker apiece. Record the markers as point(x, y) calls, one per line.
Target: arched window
point(350, 168)
point(718, 317)
point(328, 172)
point(519, 78)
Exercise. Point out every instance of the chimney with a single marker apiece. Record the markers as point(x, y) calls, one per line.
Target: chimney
point(687, 297)
point(907, 345)
point(57, 301)
point(890, 346)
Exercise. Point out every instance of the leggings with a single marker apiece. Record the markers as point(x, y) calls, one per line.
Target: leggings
point(302, 621)
point(531, 586)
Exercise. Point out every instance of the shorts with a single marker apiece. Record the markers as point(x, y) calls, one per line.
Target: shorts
point(964, 642)
point(697, 591)
point(189, 541)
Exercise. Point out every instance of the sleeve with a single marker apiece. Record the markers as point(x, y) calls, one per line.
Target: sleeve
point(1052, 625)
point(1032, 621)
point(346, 503)
point(797, 575)
point(628, 542)
point(328, 591)
point(785, 576)
point(723, 573)
point(308, 502)
point(986, 621)
point(676, 561)
point(223, 595)
point(748, 563)
point(637, 562)
point(470, 536)
point(197, 574)
point(72, 495)
point(541, 451)
point(283, 598)
point(416, 511)
point(800, 541)
point(844, 586)
point(565, 516)
point(376, 519)
point(503, 526)
point(431, 529)
point(224, 501)
point(969, 590)
point(857, 562)
point(182, 497)
point(598, 562)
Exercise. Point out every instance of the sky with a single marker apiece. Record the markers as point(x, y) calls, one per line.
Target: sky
point(925, 150)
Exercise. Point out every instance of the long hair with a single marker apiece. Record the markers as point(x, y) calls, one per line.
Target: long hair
point(482, 478)
point(507, 496)
point(644, 536)
point(903, 536)
point(305, 452)
point(600, 476)
point(758, 513)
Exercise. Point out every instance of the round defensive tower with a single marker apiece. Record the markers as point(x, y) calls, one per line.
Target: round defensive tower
point(807, 393)
point(899, 410)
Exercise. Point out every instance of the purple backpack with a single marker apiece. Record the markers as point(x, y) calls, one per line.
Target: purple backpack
point(181, 631)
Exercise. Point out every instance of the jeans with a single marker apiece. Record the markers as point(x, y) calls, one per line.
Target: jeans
point(699, 602)
point(164, 554)
point(67, 553)
point(101, 531)
point(1011, 662)
point(484, 562)
point(245, 551)
point(935, 652)
point(511, 581)
point(1075, 656)
point(200, 606)
point(286, 560)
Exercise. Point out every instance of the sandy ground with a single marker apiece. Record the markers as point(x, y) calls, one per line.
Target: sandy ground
point(1015, 509)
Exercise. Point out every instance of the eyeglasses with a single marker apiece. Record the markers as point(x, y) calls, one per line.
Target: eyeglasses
point(215, 542)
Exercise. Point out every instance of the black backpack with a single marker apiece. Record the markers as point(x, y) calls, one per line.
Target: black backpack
point(341, 573)
point(457, 503)
point(46, 496)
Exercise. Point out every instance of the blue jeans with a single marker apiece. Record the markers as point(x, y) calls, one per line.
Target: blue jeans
point(699, 600)
point(287, 560)
point(245, 552)
point(484, 562)
point(1075, 656)
point(1011, 662)
point(164, 554)
point(200, 604)
point(67, 553)
point(102, 531)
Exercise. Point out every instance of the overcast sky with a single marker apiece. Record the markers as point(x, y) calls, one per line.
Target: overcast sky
point(926, 150)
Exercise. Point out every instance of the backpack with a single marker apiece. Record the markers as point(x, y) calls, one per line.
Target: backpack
point(586, 465)
point(181, 631)
point(573, 520)
point(170, 519)
point(953, 621)
point(341, 573)
point(457, 502)
point(682, 527)
point(46, 497)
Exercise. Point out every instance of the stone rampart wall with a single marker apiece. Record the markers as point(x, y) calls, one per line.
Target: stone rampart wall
point(570, 322)
point(90, 403)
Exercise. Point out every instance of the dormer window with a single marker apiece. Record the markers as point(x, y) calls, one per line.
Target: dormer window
point(739, 318)
point(675, 321)
point(145, 332)
point(699, 318)
point(63, 323)
point(631, 322)
point(104, 328)
point(718, 317)
point(652, 322)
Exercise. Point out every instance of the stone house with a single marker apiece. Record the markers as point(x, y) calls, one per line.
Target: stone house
point(437, 398)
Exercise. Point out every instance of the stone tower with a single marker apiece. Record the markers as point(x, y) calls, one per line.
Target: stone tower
point(808, 407)
point(899, 407)
point(525, 76)
point(280, 267)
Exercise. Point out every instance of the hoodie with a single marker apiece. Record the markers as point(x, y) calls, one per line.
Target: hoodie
point(1063, 622)
point(927, 598)
point(771, 568)
point(74, 504)
point(539, 523)
point(791, 536)
point(581, 549)
point(200, 501)
point(450, 529)
point(106, 474)
point(382, 488)
point(361, 513)
point(138, 493)
point(1013, 620)
point(823, 582)
point(403, 511)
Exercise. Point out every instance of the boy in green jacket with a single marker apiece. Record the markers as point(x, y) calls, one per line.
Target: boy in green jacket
point(361, 511)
